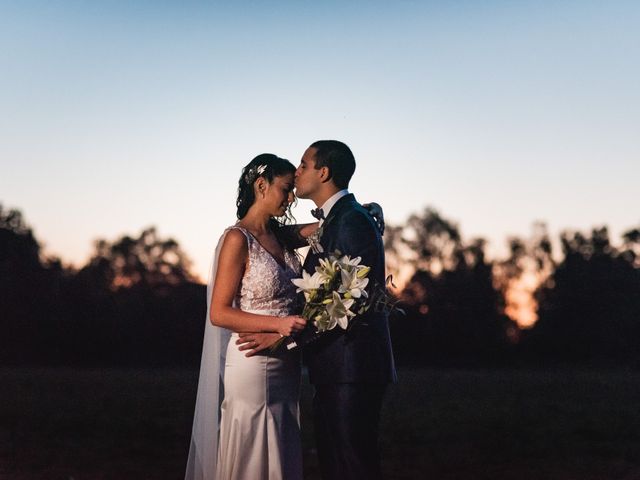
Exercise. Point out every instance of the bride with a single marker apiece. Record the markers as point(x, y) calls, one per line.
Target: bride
point(250, 290)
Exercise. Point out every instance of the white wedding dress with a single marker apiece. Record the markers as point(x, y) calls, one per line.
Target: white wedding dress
point(259, 425)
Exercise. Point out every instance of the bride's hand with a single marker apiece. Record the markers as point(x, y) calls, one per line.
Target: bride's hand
point(291, 324)
point(375, 210)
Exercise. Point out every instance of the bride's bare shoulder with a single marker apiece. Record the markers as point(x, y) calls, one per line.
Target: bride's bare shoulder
point(235, 242)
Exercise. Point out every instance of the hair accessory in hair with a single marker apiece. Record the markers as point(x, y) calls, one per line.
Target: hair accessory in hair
point(253, 173)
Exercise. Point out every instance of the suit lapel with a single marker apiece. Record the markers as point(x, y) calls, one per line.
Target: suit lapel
point(336, 210)
point(328, 227)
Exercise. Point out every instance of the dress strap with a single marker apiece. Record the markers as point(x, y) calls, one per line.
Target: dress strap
point(246, 233)
point(250, 242)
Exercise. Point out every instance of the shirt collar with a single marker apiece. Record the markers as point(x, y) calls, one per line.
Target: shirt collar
point(333, 199)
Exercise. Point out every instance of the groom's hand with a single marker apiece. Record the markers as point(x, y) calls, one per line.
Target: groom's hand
point(375, 210)
point(256, 342)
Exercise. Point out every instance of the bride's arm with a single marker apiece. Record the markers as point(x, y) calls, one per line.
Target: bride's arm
point(295, 236)
point(231, 265)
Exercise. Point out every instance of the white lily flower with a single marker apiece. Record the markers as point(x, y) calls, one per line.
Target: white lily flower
point(308, 283)
point(348, 263)
point(353, 284)
point(363, 271)
point(327, 269)
point(339, 312)
point(323, 322)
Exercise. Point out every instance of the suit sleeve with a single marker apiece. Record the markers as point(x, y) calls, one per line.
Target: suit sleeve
point(359, 237)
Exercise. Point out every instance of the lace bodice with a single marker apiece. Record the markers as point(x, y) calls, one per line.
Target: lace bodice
point(266, 284)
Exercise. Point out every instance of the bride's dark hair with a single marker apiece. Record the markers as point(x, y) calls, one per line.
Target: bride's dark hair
point(267, 166)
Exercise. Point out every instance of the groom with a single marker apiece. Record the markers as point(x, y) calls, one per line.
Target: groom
point(349, 369)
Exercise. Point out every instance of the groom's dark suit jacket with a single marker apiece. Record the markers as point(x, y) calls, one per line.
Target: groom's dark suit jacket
point(363, 353)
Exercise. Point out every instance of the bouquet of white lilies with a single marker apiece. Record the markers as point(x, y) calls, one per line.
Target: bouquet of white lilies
point(335, 292)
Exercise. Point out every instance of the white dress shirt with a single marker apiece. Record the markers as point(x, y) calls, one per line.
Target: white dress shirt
point(331, 201)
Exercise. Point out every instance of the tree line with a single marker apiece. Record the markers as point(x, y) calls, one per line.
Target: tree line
point(136, 301)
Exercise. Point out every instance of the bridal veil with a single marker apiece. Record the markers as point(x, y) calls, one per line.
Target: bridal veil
point(203, 451)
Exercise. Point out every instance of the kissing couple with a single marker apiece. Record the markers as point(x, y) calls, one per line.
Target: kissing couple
point(247, 424)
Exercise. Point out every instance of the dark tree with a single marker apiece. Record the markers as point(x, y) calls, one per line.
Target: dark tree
point(135, 302)
point(28, 286)
point(145, 261)
point(589, 309)
point(454, 313)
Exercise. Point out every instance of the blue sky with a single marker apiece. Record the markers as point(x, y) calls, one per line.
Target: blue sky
point(119, 115)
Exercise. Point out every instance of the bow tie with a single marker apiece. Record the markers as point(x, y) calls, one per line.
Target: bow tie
point(318, 213)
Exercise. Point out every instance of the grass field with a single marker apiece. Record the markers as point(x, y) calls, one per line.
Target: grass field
point(437, 424)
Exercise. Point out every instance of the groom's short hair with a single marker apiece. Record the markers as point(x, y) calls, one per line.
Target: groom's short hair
point(338, 158)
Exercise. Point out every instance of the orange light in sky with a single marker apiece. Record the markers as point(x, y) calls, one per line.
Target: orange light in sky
point(521, 306)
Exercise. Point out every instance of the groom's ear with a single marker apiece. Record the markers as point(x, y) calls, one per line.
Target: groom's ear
point(325, 174)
